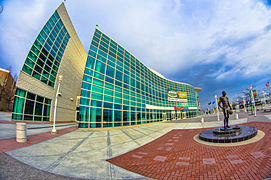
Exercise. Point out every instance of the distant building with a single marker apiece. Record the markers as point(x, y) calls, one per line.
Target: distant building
point(7, 90)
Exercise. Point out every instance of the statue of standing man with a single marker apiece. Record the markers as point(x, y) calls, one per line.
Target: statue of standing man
point(226, 108)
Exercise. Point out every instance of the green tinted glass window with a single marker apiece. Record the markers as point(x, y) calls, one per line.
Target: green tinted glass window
point(84, 114)
point(90, 62)
point(97, 89)
point(96, 96)
point(100, 67)
point(87, 78)
point(99, 76)
point(52, 49)
point(110, 71)
point(108, 98)
point(84, 101)
point(108, 92)
point(117, 100)
point(109, 86)
point(85, 93)
point(98, 82)
point(27, 69)
point(20, 92)
point(117, 94)
point(18, 105)
point(29, 106)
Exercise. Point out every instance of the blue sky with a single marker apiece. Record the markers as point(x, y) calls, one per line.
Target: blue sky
point(212, 44)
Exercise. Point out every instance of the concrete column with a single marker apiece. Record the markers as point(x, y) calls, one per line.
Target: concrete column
point(21, 132)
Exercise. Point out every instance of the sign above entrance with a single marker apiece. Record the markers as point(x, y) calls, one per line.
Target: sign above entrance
point(158, 107)
point(177, 96)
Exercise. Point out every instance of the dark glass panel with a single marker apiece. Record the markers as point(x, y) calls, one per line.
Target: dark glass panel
point(85, 93)
point(119, 75)
point(117, 115)
point(107, 115)
point(108, 105)
point(96, 103)
point(31, 96)
point(110, 80)
point(38, 109)
point(29, 107)
point(117, 106)
point(28, 117)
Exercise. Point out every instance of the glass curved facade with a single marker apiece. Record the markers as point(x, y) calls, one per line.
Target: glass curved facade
point(118, 90)
point(44, 57)
point(42, 63)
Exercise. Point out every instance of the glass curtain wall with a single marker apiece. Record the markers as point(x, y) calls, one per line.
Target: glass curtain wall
point(117, 87)
point(30, 107)
point(42, 63)
point(44, 57)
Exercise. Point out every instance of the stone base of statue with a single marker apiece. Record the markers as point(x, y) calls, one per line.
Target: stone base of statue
point(228, 135)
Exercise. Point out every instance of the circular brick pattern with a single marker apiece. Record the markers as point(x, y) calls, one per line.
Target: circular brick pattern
point(188, 159)
point(259, 136)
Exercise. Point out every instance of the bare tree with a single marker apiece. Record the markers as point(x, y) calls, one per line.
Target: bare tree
point(247, 92)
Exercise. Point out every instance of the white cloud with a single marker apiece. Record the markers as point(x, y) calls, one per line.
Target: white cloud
point(166, 35)
point(20, 23)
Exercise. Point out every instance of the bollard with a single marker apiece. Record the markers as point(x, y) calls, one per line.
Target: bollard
point(21, 132)
point(202, 120)
point(237, 116)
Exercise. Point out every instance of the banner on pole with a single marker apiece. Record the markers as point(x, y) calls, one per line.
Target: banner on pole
point(254, 93)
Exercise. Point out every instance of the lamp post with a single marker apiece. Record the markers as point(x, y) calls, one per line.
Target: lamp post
point(217, 108)
point(252, 98)
point(57, 93)
point(264, 97)
point(244, 103)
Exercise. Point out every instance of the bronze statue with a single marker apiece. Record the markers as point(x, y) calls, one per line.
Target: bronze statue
point(226, 108)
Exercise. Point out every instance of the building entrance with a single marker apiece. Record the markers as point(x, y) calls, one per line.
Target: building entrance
point(164, 116)
point(173, 115)
point(179, 115)
point(184, 115)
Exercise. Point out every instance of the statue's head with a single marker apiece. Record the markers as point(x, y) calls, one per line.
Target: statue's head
point(223, 93)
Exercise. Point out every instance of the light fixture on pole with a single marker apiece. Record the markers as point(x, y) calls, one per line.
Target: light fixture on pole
point(244, 101)
point(252, 98)
point(264, 97)
point(57, 93)
point(217, 110)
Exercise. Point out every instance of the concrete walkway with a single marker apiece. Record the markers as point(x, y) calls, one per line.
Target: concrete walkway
point(9, 130)
point(81, 154)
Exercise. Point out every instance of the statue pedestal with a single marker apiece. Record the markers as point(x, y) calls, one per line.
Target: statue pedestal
point(228, 135)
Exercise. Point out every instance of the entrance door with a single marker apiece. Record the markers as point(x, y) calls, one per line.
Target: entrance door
point(164, 116)
point(184, 115)
point(173, 115)
point(178, 115)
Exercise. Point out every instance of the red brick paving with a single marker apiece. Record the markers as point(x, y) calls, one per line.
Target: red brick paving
point(11, 144)
point(191, 160)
